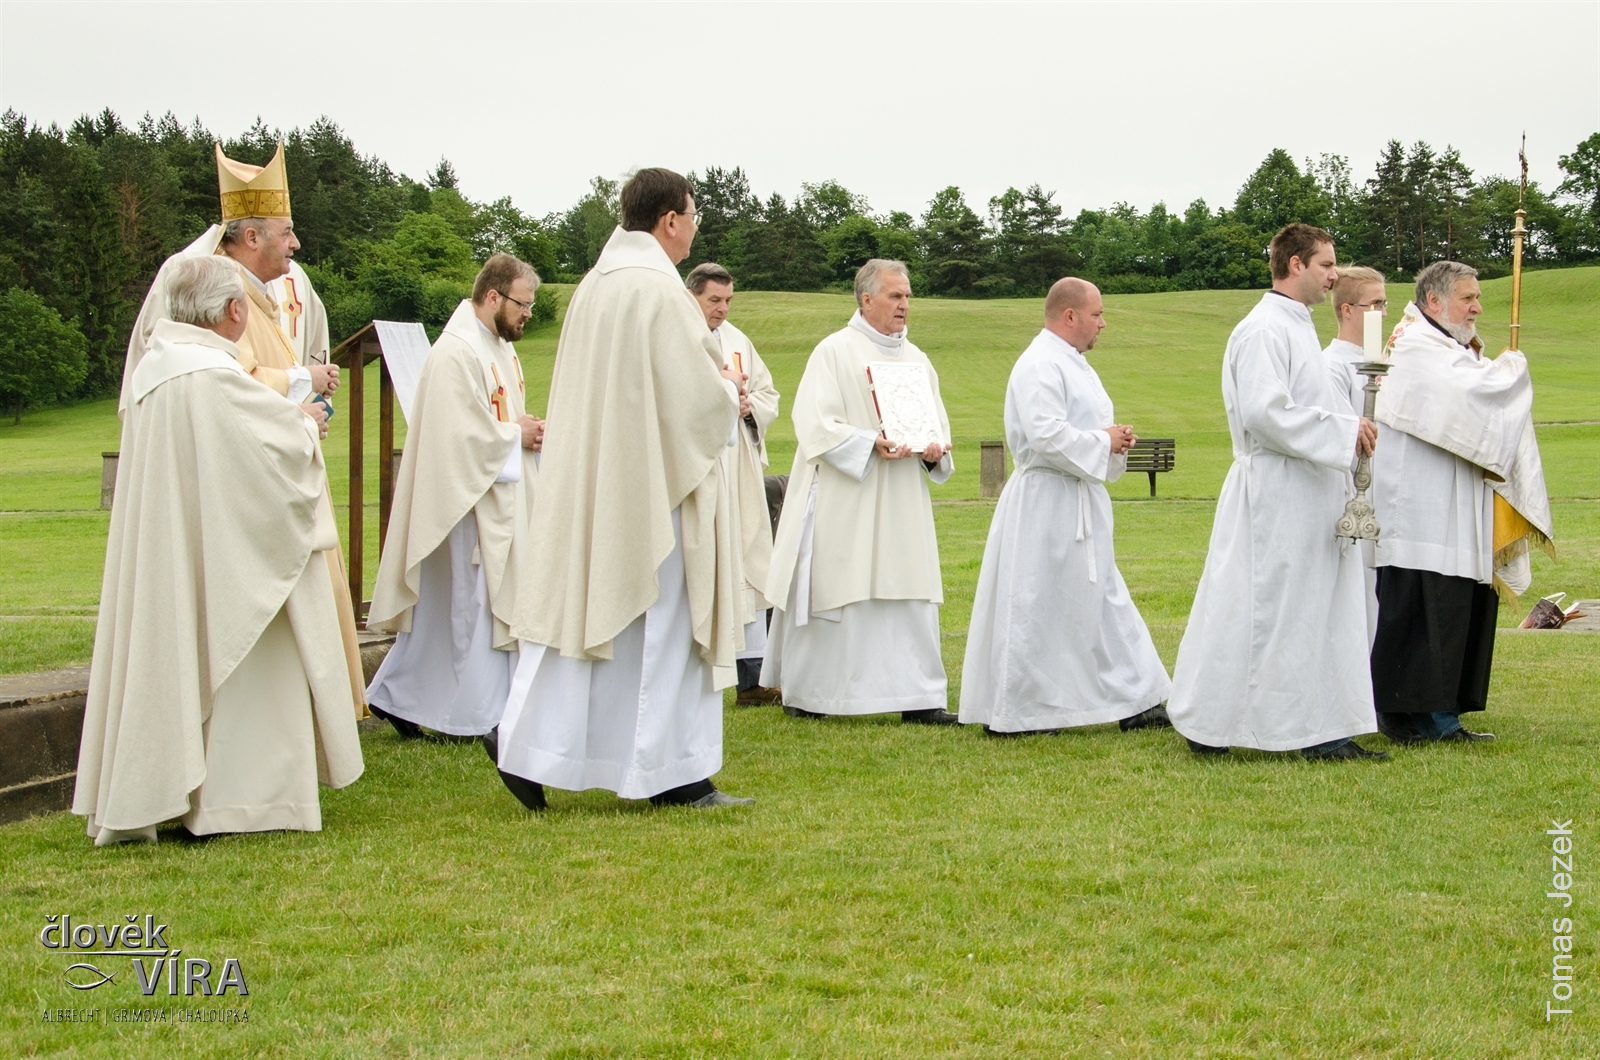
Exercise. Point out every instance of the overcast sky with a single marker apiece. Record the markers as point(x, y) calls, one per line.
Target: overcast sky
point(1099, 102)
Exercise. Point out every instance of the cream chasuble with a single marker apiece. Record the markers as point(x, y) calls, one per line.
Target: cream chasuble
point(630, 604)
point(748, 482)
point(268, 355)
point(447, 582)
point(855, 564)
point(218, 690)
point(1055, 639)
point(1275, 653)
point(1459, 483)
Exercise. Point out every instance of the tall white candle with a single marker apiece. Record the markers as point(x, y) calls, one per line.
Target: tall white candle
point(1372, 334)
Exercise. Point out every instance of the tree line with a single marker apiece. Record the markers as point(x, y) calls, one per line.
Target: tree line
point(88, 213)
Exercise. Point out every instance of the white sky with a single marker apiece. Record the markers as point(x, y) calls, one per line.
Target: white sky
point(1099, 102)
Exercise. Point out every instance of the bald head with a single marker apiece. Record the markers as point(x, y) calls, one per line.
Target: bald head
point(1067, 293)
point(1073, 310)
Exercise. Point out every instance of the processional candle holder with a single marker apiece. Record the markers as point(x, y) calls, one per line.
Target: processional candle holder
point(1360, 520)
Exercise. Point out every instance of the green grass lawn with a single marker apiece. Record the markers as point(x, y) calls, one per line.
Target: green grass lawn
point(894, 891)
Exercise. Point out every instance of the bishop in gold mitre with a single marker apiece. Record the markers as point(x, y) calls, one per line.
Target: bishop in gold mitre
point(285, 345)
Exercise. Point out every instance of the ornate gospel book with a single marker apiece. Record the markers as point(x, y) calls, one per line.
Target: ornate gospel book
point(902, 394)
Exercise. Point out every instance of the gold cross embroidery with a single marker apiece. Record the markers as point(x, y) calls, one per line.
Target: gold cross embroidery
point(292, 307)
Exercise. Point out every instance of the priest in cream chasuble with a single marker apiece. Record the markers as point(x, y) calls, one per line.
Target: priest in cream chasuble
point(1055, 639)
point(1460, 497)
point(712, 287)
point(855, 564)
point(458, 529)
point(218, 692)
point(1275, 653)
point(630, 607)
point(257, 234)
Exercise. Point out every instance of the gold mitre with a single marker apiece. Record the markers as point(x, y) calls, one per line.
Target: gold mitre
point(252, 191)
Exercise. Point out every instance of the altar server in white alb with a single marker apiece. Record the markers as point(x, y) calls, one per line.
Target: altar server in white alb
point(712, 287)
point(1275, 653)
point(458, 530)
point(630, 607)
point(218, 693)
point(1460, 497)
point(1056, 640)
point(855, 566)
point(1359, 290)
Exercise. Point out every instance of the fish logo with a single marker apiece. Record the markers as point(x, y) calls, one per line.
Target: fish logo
point(88, 970)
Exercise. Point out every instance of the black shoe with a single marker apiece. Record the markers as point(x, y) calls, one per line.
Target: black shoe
point(1347, 751)
point(719, 798)
point(1397, 728)
point(1154, 718)
point(935, 716)
point(796, 712)
point(1023, 732)
point(408, 730)
point(1205, 748)
point(528, 792)
point(1466, 736)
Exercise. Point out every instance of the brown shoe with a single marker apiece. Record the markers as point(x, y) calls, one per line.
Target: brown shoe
point(758, 696)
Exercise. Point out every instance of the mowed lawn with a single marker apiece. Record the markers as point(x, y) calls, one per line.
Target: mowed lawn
point(894, 891)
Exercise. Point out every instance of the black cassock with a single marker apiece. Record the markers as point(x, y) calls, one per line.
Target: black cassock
point(1435, 642)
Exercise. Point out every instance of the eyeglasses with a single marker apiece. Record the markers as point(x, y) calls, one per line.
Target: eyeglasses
point(526, 307)
point(1380, 306)
point(693, 217)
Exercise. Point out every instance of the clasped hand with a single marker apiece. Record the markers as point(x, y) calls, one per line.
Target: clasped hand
point(532, 433)
point(324, 378)
point(1122, 438)
point(740, 380)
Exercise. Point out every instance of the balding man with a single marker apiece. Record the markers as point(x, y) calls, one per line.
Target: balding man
point(855, 565)
point(1056, 641)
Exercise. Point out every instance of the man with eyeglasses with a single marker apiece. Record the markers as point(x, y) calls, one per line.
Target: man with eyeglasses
point(629, 612)
point(1358, 291)
point(1460, 496)
point(458, 528)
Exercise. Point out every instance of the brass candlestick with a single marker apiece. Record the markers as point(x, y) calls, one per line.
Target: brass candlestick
point(1360, 519)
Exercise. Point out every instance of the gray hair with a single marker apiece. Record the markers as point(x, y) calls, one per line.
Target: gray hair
point(233, 231)
point(1440, 279)
point(869, 276)
point(201, 288)
point(704, 273)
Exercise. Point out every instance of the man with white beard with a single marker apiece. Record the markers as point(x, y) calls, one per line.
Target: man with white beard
point(458, 529)
point(1450, 420)
point(855, 564)
point(712, 287)
point(628, 610)
point(1358, 291)
point(1275, 653)
point(1056, 640)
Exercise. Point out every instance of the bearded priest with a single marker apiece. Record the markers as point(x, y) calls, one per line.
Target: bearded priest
point(1275, 653)
point(218, 691)
point(855, 563)
point(257, 234)
point(458, 529)
point(630, 607)
point(712, 287)
point(1460, 495)
point(1056, 640)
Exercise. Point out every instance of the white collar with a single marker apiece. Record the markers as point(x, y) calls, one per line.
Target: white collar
point(894, 344)
point(634, 250)
point(1060, 343)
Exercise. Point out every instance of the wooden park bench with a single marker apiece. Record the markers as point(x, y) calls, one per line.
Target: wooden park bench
point(1152, 456)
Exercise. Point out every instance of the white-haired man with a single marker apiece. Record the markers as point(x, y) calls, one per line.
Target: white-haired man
point(712, 287)
point(458, 530)
point(218, 692)
point(1056, 640)
point(1449, 421)
point(855, 564)
point(1275, 653)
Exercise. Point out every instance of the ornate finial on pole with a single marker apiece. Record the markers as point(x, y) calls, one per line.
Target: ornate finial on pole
point(1517, 233)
